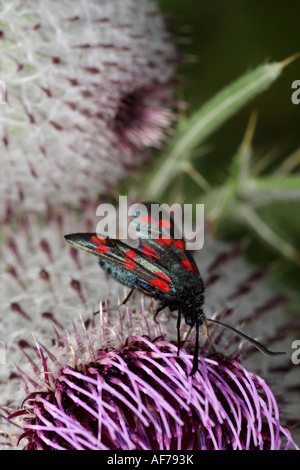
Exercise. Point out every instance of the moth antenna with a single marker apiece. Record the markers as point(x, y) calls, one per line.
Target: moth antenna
point(252, 341)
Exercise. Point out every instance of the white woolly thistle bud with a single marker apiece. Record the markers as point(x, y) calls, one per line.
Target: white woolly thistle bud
point(87, 87)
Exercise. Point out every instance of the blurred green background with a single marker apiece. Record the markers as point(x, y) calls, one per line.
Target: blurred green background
point(220, 41)
point(228, 38)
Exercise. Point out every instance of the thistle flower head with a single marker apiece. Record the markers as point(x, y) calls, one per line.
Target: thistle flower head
point(88, 87)
point(141, 397)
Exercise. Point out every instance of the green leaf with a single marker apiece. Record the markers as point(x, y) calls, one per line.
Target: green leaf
point(206, 120)
point(265, 233)
point(239, 168)
point(265, 190)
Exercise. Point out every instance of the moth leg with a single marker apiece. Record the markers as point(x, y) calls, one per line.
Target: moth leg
point(144, 291)
point(207, 336)
point(160, 308)
point(122, 303)
point(127, 297)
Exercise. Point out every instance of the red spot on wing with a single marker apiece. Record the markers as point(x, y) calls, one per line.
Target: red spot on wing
point(179, 244)
point(160, 284)
point(130, 254)
point(147, 251)
point(164, 223)
point(190, 266)
point(187, 265)
point(146, 219)
point(163, 241)
point(129, 264)
point(102, 249)
point(98, 240)
point(162, 276)
point(195, 269)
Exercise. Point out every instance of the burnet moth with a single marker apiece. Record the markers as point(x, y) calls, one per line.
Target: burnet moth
point(159, 267)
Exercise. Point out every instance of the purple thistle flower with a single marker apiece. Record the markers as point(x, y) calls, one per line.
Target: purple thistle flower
point(88, 89)
point(141, 397)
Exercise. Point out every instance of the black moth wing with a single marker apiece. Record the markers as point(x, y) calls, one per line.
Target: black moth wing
point(130, 266)
point(156, 234)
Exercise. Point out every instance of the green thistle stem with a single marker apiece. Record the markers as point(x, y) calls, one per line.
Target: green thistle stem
point(205, 121)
